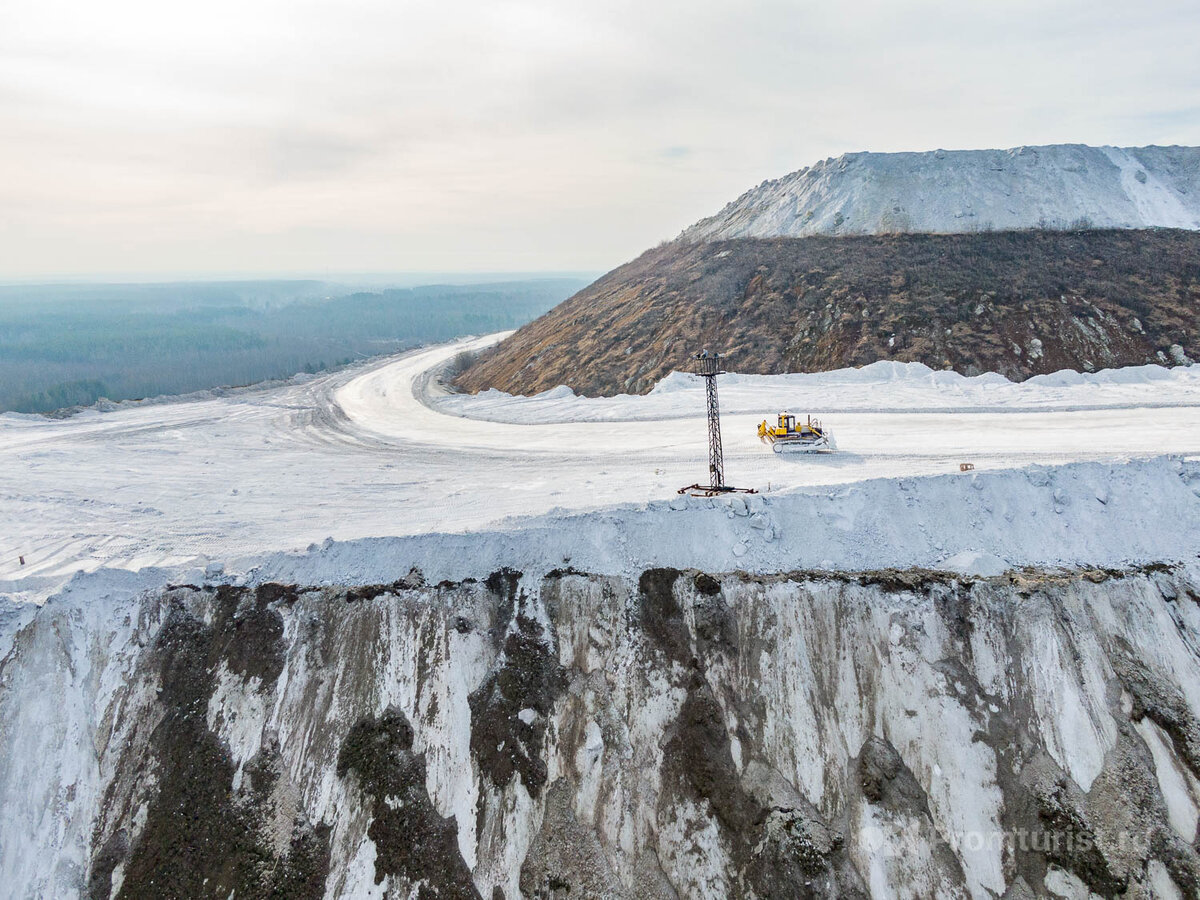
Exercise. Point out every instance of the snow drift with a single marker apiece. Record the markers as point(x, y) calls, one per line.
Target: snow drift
point(881, 386)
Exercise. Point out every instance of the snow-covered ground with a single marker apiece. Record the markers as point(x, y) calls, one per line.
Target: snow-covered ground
point(379, 451)
point(880, 387)
point(970, 190)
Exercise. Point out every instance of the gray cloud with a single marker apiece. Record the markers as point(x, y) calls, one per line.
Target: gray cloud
point(368, 135)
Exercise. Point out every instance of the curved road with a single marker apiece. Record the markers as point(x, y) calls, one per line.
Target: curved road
point(363, 453)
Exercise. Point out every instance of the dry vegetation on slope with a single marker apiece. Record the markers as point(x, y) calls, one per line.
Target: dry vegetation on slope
point(1018, 303)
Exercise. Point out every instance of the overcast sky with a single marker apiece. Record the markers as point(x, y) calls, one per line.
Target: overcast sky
point(151, 137)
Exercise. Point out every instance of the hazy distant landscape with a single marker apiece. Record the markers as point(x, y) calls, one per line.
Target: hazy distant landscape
point(67, 345)
point(525, 611)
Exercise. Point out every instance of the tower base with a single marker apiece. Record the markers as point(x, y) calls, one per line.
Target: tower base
point(708, 490)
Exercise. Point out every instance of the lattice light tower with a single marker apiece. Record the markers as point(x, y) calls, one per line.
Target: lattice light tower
point(708, 368)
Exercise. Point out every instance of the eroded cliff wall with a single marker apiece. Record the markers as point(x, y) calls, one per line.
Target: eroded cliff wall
point(682, 734)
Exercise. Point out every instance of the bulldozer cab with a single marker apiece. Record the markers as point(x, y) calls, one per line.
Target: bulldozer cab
point(787, 422)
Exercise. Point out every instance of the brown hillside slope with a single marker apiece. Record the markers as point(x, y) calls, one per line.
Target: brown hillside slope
point(1018, 303)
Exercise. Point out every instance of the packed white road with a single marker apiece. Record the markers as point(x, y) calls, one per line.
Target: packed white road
point(381, 451)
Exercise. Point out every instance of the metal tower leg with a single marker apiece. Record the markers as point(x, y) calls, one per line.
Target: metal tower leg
point(716, 457)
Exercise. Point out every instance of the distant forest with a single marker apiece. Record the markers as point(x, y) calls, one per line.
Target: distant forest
point(70, 345)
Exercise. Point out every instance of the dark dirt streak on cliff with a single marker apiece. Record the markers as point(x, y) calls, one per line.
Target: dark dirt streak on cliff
point(528, 677)
point(779, 852)
point(202, 838)
point(412, 841)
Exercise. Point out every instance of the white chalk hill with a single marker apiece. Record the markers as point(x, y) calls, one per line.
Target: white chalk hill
point(940, 191)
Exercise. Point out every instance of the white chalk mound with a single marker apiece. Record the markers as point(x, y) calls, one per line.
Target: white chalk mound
point(940, 191)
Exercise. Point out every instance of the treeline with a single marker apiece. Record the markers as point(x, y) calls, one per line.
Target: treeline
point(70, 346)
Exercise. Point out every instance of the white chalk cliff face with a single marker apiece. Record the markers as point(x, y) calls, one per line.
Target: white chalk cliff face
point(674, 734)
point(940, 191)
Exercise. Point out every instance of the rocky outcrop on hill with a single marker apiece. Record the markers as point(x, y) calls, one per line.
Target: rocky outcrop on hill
point(1032, 274)
point(899, 733)
point(1018, 303)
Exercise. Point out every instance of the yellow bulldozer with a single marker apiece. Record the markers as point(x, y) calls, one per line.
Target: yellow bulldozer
point(788, 436)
